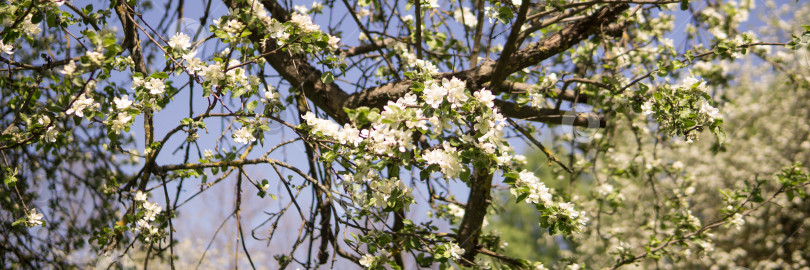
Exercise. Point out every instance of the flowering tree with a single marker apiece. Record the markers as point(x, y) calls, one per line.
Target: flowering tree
point(399, 107)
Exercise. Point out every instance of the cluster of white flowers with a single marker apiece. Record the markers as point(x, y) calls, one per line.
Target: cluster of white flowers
point(425, 68)
point(122, 103)
point(208, 154)
point(155, 86)
point(334, 43)
point(51, 133)
point(647, 107)
point(446, 158)
point(180, 41)
point(150, 212)
point(33, 218)
point(485, 97)
point(213, 73)
point(708, 111)
point(29, 28)
point(456, 210)
point(304, 22)
point(385, 188)
point(244, 135)
point(491, 127)
point(121, 122)
point(81, 104)
point(278, 31)
point(538, 192)
point(96, 58)
point(385, 139)
point(455, 250)
point(737, 221)
point(69, 69)
point(453, 89)
point(465, 16)
point(232, 27)
point(567, 209)
point(193, 64)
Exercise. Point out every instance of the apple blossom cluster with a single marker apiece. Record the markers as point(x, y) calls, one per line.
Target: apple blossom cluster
point(146, 215)
point(81, 104)
point(684, 109)
point(33, 218)
point(466, 128)
point(448, 251)
point(244, 135)
point(26, 26)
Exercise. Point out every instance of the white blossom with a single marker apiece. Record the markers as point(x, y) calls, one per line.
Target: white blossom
point(151, 210)
point(213, 73)
point(367, 260)
point(68, 69)
point(485, 97)
point(244, 135)
point(233, 27)
point(121, 122)
point(465, 16)
point(51, 134)
point(737, 221)
point(96, 58)
point(6, 48)
point(690, 82)
point(155, 86)
point(647, 107)
point(427, 68)
point(278, 31)
point(710, 112)
point(192, 63)
point(538, 192)
point(325, 127)
point(33, 218)
point(334, 43)
point(455, 250)
point(180, 41)
point(446, 158)
point(434, 95)
point(29, 28)
point(455, 91)
point(80, 104)
point(122, 102)
point(140, 196)
point(305, 22)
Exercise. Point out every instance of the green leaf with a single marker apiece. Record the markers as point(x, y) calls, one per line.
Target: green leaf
point(10, 181)
point(252, 105)
point(327, 77)
point(521, 197)
point(160, 75)
point(18, 221)
point(684, 4)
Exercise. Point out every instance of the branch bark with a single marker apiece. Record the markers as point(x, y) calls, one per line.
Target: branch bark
point(474, 213)
point(332, 99)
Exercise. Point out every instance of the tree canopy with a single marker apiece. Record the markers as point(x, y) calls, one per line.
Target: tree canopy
point(390, 134)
